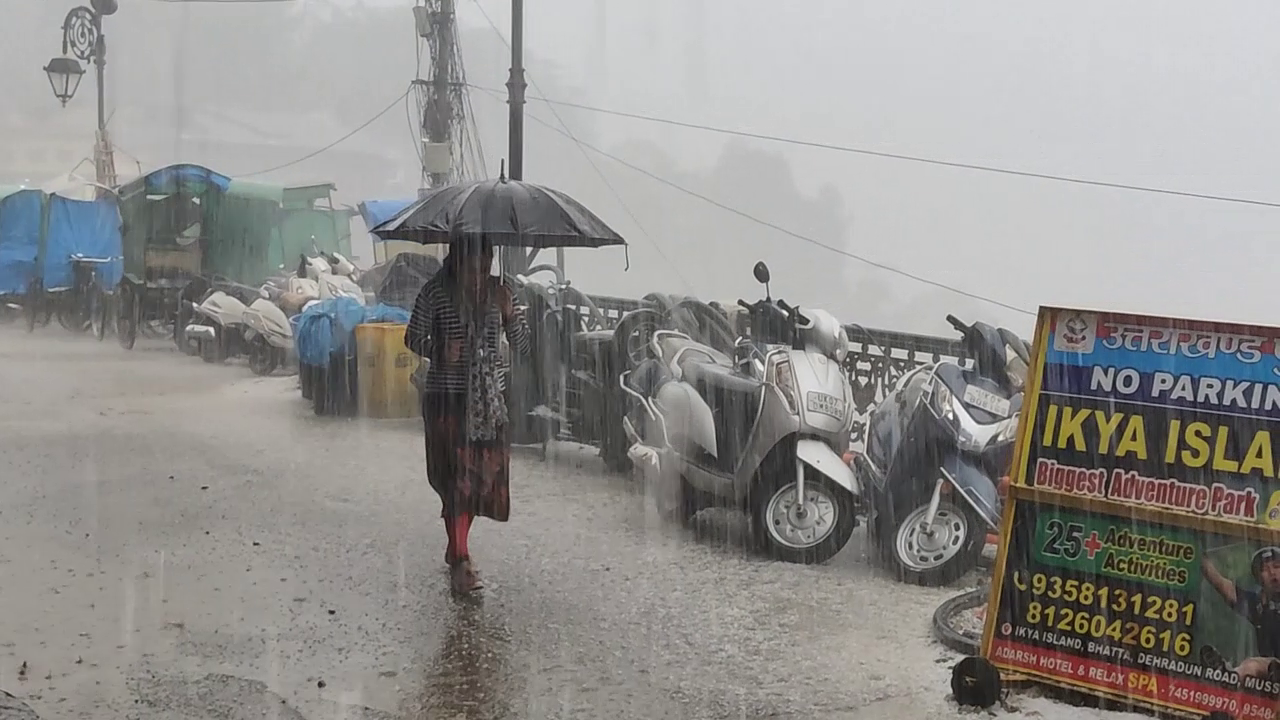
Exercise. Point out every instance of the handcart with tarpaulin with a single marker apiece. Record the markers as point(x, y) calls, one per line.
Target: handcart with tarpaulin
point(185, 221)
point(58, 257)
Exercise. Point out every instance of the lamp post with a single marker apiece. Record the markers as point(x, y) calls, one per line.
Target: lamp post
point(64, 77)
point(83, 41)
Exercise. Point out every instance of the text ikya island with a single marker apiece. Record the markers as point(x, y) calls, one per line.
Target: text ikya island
point(1194, 444)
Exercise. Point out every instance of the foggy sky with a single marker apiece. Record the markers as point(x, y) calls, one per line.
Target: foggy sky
point(1172, 94)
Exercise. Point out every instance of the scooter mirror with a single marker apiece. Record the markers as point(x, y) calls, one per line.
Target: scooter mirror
point(761, 271)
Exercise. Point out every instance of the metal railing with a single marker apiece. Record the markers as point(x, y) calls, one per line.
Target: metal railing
point(877, 357)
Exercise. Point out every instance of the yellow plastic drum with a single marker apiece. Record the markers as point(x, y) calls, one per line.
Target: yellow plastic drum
point(385, 369)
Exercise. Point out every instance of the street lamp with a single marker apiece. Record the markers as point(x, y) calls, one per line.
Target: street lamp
point(83, 41)
point(64, 74)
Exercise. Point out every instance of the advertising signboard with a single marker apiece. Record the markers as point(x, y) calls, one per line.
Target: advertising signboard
point(1140, 557)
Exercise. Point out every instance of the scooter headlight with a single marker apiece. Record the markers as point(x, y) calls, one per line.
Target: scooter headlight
point(1008, 433)
point(842, 345)
point(784, 379)
point(943, 403)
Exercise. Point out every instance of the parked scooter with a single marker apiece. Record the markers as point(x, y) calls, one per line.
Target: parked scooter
point(267, 332)
point(342, 266)
point(936, 448)
point(763, 432)
point(331, 284)
point(217, 322)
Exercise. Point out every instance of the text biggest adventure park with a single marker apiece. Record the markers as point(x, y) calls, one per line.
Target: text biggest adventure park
point(1141, 552)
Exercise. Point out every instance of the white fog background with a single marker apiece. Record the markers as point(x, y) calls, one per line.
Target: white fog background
point(1169, 94)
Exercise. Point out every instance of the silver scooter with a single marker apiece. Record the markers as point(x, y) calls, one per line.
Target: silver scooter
point(762, 432)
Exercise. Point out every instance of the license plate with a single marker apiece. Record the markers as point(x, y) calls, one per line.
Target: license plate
point(826, 404)
point(986, 400)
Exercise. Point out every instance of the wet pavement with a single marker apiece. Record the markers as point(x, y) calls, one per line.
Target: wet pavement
point(182, 540)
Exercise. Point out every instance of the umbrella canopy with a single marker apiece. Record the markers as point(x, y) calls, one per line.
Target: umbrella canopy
point(506, 212)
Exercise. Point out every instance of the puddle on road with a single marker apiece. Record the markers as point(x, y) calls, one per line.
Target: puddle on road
point(469, 675)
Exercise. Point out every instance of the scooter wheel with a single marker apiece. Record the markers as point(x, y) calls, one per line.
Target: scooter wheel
point(262, 357)
point(936, 556)
point(804, 534)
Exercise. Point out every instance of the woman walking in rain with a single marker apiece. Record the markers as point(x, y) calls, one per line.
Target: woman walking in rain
point(456, 325)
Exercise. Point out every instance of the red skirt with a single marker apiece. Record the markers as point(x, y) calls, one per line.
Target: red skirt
point(471, 478)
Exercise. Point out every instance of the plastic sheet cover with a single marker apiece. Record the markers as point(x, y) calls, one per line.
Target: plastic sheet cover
point(329, 326)
point(87, 228)
point(376, 212)
point(20, 220)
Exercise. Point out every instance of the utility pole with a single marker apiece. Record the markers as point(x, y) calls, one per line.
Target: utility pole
point(437, 117)
point(513, 259)
point(435, 20)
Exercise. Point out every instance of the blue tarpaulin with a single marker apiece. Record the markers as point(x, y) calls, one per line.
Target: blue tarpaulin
point(21, 217)
point(90, 229)
point(329, 326)
point(167, 180)
point(376, 212)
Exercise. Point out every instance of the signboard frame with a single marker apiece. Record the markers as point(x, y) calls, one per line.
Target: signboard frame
point(1026, 501)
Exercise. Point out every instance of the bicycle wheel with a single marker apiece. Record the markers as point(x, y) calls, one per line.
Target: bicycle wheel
point(98, 312)
point(127, 317)
point(33, 304)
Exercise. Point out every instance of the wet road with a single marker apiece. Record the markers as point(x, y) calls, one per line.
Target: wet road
point(180, 540)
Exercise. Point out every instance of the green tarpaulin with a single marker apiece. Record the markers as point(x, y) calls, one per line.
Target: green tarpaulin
point(244, 230)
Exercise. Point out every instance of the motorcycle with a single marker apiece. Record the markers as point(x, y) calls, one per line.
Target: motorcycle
point(762, 431)
point(936, 448)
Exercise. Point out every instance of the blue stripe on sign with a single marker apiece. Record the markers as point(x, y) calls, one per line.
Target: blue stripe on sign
point(1175, 390)
point(1223, 365)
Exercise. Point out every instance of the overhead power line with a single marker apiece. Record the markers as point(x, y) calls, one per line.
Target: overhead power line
point(331, 145)
point(786, 231)
point(599, 173)
point(899, 156)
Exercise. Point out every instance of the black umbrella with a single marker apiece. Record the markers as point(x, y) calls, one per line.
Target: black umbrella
point(506, 212)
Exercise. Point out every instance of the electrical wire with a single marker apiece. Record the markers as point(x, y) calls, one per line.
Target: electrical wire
point(413, 130)
point(786, 231)
point(899, 156)
point(333, 144)
point(603, 178)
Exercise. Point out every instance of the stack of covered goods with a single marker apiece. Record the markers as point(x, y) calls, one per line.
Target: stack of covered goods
point(324, 335)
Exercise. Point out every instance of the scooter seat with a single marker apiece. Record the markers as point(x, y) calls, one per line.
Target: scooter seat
point(734, 401)
point(671, 345)
point(701, 372)
point(648, 377)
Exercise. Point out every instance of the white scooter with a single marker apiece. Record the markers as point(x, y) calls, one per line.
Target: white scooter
point(762, 432)
point(331, 284)
point(216, 329)
point(267, 332)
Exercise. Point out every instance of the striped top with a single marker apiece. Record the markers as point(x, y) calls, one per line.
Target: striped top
point(438, 334)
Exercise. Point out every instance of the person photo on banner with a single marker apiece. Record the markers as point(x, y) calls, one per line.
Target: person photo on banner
point(1259, 606)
